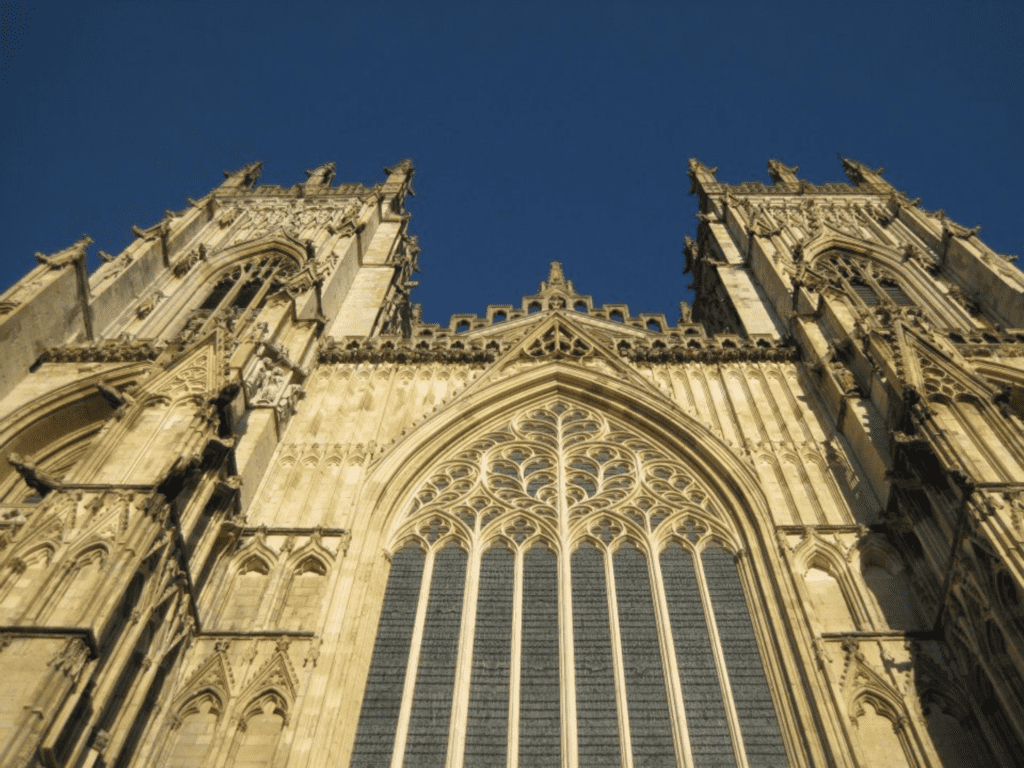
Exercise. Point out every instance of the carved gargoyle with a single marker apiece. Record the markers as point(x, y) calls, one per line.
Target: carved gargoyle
point(35, 478)
point(113, 396)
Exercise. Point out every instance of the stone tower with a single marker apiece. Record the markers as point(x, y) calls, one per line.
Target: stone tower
point(255, 512)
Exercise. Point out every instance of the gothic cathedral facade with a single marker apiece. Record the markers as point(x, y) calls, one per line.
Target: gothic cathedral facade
point(255, 512)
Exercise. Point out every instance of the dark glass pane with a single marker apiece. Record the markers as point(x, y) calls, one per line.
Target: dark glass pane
point(487, 726)
point(754, 708)
point(246, 294)
point(427, 742)
point(894, 292)
point(376, 735)
point(596, 716)
point(539, 722)
point(864, 292)
point(649, 725)
point(702, 694)
point(216, 296)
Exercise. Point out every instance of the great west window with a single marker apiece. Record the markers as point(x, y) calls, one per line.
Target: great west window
point(564, 592)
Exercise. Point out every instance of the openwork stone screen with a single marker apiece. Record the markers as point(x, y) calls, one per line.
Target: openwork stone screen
point(563, 592)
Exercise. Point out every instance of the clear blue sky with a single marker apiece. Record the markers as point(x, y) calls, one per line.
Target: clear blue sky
point(555, 131)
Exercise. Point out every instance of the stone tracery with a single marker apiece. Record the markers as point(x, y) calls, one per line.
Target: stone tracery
point(559, 482)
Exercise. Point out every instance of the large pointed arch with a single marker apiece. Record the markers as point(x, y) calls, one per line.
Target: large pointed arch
point(393, 477)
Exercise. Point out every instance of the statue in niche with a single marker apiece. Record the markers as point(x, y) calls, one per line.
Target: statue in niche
point(273, 386)
point(257, 376)
point(845, 379)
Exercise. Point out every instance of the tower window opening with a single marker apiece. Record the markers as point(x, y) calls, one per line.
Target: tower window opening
point(247, 286)
point(868, 282)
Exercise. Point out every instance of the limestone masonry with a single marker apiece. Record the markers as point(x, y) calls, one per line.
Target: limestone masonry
point(254, 512)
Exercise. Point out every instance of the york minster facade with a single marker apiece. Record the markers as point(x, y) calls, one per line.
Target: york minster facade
point(256, 513)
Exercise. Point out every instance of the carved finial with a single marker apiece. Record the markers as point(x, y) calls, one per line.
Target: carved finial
point(783, 175)
point(860, 174)
point(322, 176)
point(245, 176)
point(402, 166)
point(685, 313)
point(62, 258)
point(555, 275)
point(700, 174)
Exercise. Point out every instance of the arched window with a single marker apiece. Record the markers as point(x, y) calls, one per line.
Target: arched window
point(831, 610)
point(247, 285)
point(878, 734)
point(19, 580)
point(566, 510)
point(868, 281)
point(77, 589)
point(193, 733)
point(247, 590)
point(258, 733)
point(302, 601)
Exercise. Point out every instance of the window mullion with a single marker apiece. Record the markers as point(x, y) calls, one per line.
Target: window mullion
point(243, 272)
point(253, 306)
point(680, 730)
point(723, 676)
point(515, 662)
point(567, 655)
point(413, 664)
point(464, 664)
point(618, 666)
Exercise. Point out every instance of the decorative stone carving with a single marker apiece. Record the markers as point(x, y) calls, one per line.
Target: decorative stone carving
point(110, 351)
point(60, 259)
point(271, 384)
point(194, 256)
point(148, 304)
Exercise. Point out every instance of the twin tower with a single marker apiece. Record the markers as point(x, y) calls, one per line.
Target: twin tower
point(254, 512)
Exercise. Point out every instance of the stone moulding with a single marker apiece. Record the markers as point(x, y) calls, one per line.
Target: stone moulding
point(111, 351)
point(476, 352)
point(715, 351)
point(402, 351)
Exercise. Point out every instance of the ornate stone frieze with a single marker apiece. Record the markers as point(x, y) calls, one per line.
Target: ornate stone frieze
point(296, 215)
point(989, 343)
point(714, 350)
point(109, 351)
point(402, 351)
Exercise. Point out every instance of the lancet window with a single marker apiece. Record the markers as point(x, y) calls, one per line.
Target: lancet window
point(565, 592)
